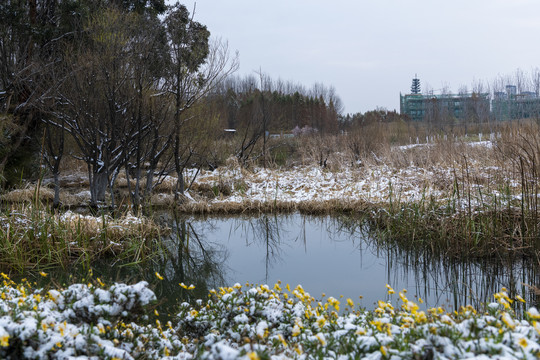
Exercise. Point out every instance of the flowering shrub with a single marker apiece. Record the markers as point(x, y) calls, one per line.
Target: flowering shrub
point(252, 322)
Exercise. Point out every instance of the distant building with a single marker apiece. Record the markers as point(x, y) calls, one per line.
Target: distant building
point(510, 105)
point(505, 105)
point(420, 107)
point(442, 108)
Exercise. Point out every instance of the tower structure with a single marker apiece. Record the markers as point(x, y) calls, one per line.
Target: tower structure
point(415, 87)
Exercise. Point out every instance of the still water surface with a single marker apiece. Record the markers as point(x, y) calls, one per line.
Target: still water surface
point(331, 255)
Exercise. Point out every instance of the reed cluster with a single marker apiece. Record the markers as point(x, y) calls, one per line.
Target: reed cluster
point(483, 213)
point(32, 236)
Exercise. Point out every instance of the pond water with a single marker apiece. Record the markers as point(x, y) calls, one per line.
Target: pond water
point(331, 255)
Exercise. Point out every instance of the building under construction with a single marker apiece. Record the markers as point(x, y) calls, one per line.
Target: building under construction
point(443, 108)
point(511, 105)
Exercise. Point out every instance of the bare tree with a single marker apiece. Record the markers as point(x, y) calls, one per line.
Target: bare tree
point(95, 99)
point(197, 67)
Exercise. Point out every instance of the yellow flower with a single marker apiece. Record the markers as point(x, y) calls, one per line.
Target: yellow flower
point(62, 328)
point(4, 340)
point(536, 326)
point(159, 276)
point(350, 302)
point(390, 290)
point(321, 338)
point(508, 321)
point(253, 356)
point(533, 313)
point(334, 302)
point(519, 298)
point(282, 340)
point(378, 324)
point(321, 321)
point(523, 342)
point(44, 274)
point(360, 332)
point(402, 296)
point(410, 306)
point(191, 287)
point(420, 317)
point(383, 351)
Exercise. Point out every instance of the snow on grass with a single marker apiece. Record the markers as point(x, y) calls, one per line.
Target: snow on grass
point(466, 184)
point(373, 184)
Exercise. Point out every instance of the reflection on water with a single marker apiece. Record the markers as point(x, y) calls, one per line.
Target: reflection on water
point(335, 256)
point(324, 254)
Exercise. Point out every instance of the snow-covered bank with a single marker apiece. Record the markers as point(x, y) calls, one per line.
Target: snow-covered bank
point(374, 184)
point(467, 175)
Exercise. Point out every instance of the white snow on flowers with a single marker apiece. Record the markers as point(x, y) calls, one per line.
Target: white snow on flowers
point(86, 321)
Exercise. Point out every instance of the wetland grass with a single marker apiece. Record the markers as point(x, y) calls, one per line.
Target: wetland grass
point(31, 236)
point(471, 223)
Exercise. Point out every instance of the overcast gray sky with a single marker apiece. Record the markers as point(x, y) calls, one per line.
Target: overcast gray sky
point(370, 50)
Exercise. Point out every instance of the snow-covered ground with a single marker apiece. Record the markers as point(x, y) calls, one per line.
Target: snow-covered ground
point(379, 182)
point(308, 183)
point(371, 184)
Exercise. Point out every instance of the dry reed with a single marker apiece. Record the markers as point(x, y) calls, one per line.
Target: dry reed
point(31, 236)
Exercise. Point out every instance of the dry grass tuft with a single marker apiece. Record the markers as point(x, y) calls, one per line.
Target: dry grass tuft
point(115, 229)
point(33, 236)
point(251, 207)
point(167, 185)
point(28, 195)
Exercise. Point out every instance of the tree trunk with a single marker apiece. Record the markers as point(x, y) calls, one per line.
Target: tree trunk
point(98, 188)
point(56, 200)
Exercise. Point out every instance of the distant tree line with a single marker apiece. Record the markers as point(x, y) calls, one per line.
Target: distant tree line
point(287, 105)
point(256, 107)
point(355, 121)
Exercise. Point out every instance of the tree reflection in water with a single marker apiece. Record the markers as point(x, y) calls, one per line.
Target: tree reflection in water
point(279, 240)
point(264, 230)
point(186, 257)
point(337, 255)
point(451, 282)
